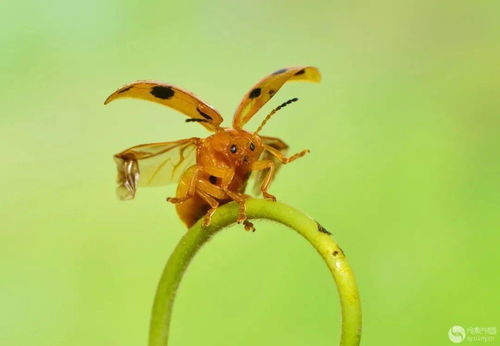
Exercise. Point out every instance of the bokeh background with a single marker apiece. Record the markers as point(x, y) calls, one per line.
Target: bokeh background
point(404, 134)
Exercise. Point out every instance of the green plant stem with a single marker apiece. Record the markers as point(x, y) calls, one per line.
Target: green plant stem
point(319, 238)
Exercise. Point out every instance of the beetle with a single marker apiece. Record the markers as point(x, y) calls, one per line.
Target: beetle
point(214, 170)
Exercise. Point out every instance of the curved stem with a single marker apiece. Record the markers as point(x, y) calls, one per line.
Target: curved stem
point(318, 236)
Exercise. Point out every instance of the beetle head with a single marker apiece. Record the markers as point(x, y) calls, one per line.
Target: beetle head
point(238, 147)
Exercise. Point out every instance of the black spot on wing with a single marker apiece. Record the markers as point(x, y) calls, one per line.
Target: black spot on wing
point(322, 229)
point(205, 115)
point(125, 89)
point(162, 92)
point(212, 179)
point(298, 73)
point(271, 92)
point(283, 70)
point(254, 93)
point(196, 120)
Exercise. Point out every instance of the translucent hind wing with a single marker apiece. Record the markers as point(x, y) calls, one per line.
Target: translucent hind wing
point(154, 164)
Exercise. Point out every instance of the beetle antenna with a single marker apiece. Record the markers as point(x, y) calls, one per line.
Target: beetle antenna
point(284, 104)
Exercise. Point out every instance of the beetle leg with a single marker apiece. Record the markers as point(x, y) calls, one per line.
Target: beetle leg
point(190, 192)
point(260, 165)
point(213, 207)
point(227, 174)
point(212, 190)
point(240, 199)
point(283, 159)
point(227, 178)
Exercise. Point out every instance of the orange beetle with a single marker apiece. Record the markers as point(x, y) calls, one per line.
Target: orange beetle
point(211, 171)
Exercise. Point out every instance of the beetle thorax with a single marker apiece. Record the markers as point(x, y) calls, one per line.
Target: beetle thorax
point(230, 148)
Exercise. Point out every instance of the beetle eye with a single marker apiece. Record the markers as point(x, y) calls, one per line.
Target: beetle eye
point(233, 149)
point(252, 146)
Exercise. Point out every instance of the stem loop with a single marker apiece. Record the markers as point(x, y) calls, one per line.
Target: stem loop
point(312, 231)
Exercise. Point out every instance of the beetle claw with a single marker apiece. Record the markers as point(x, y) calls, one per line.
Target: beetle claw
point(248, 226)
point(206, 221)
point(268, 196)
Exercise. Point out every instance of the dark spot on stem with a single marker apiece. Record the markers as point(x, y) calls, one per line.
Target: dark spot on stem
point(322, 229)
point(162, 92)
point(338, 252)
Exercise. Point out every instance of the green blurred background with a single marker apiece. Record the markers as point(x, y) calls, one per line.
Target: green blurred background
point(404, 169)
